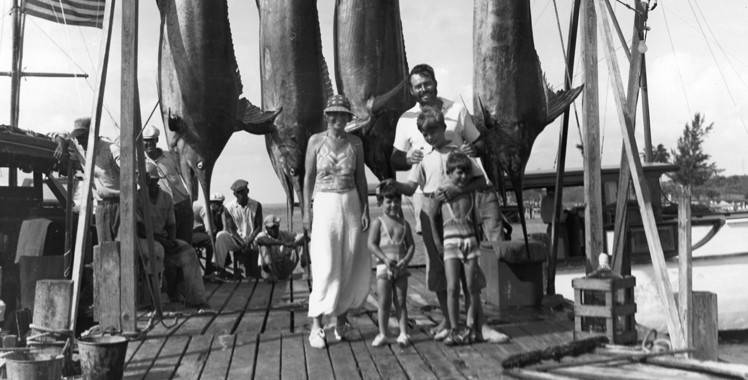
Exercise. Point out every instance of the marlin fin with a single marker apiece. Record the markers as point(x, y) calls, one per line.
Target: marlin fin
point(254, 120)
point(559, 101)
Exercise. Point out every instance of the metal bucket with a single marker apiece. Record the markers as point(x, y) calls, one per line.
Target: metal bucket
point(33, 366)
point(103, 357)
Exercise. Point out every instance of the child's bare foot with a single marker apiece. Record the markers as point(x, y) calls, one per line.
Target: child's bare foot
point(379, 340)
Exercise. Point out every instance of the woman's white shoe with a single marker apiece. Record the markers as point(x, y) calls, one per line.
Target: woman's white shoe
point(317, 338)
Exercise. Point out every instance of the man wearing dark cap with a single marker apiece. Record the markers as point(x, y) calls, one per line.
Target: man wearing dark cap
point(171, 181)
point(106, 176)
point(246, 215)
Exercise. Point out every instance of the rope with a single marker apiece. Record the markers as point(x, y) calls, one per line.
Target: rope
point(566, 68)
point(716, 63)
point(677, 66)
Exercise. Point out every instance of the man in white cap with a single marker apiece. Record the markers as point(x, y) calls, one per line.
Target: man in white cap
point(172, 181)
point(181, 268)
point(276, 249)
point(106, 176)
point(240, 230)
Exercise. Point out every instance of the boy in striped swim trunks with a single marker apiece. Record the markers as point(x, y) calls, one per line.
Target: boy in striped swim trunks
point(461, 249)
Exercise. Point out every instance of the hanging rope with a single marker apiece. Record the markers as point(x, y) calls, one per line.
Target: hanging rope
point(716, 63)
point(677, 66)
point(566, 68)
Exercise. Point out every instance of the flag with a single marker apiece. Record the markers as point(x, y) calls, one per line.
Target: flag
point(68, 12)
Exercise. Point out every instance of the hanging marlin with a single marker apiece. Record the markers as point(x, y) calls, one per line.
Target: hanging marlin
point(371, 69)
point(295, 77)
point(513, 103)
point(200, 87)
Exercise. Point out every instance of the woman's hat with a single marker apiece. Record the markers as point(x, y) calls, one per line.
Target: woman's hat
point(217, 197)
point(338, 103)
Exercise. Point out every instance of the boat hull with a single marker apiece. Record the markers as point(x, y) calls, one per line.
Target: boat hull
point(719, 266)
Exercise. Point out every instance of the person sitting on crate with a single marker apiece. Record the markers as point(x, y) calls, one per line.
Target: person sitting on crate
point(279, 250)
point(181, 267)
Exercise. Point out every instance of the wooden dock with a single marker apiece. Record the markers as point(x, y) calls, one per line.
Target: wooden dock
point(260, 332)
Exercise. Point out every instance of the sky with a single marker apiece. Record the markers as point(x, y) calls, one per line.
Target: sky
point(696, 62)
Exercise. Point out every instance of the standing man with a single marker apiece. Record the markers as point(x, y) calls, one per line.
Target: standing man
point(106, 176)
point(171, 182)
point(409, 142)
point(239, 236)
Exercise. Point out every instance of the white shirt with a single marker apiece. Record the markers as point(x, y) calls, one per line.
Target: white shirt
point(243, 217)
point(460, 129)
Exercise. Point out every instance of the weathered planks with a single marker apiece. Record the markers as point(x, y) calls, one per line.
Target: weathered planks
point(243, 360)
point(168, 358)
point(292, 357)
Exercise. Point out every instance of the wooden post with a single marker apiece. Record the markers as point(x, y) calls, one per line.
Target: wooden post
point(621, 263)
point(129, 127)
point(19, 21)
point(645, 111)
point(685, 279)
point(84, 217)
point(704, 325)
point(571, 48)
point(643, 196)
point(593, 213)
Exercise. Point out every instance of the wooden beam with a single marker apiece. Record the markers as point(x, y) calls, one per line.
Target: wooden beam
point(621, 263)
point(571, 48)
point(593, 212)
point(685, 279)
point(643, 196)
point(129, 127)
point(44, 75)
point(645, 112)
point(19, 21)
point(84, 217)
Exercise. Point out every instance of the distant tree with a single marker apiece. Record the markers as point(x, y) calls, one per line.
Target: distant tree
point(694, 165)
point(659, 154)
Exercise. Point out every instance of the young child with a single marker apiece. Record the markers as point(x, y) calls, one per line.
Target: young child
point(461, 248)
point(391, 241)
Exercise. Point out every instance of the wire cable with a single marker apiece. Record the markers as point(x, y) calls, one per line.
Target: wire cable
point(716, 63)
point(677, 66)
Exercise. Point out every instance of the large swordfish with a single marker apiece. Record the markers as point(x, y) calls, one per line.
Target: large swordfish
point(513, 103)
point(200, 88)
point(295, 77)
point(371, 69)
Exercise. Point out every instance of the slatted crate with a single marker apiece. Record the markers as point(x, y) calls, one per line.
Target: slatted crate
point(605, 306)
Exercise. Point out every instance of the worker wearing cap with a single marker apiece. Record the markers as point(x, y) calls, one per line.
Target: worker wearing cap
point(241, 229)
point(171, 181)
point(181, 268)
point(275, 247)
point(106, 176)
point(200, 236)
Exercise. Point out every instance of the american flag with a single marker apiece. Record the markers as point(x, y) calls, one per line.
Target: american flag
point(69, 12)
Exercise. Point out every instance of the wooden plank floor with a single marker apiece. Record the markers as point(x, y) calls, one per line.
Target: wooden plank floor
point(259, 331)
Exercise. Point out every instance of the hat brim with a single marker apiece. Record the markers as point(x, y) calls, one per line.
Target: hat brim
point(338, 109)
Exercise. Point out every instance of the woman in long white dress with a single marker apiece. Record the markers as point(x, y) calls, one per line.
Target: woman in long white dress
point(340, 261)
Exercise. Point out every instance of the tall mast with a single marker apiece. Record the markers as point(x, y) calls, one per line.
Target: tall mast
point(19, 21)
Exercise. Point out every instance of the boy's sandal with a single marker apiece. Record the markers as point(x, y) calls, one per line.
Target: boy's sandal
point(317, 338)
point(442, 334)
point(452, 338)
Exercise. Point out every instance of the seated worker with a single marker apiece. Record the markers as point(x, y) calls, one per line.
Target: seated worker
point(277, 257)
point(241, 226)
point(181, 269)
point(200, 236)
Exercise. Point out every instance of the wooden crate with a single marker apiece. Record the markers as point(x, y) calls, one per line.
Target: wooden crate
point(605, 306)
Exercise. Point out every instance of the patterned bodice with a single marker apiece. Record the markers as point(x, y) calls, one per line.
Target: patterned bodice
point(335, 171)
